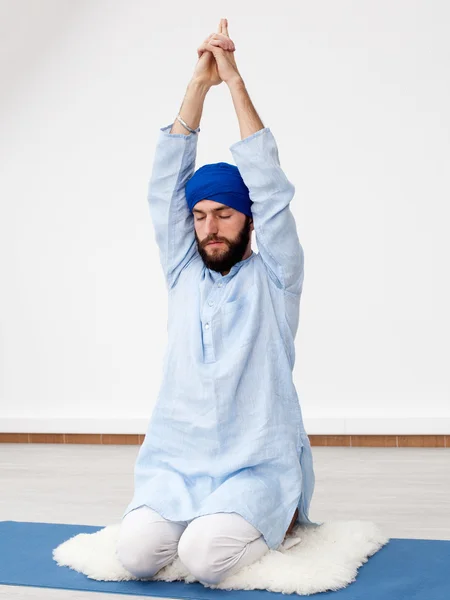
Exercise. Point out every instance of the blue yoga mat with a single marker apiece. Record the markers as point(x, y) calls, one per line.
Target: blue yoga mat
point(403, 569)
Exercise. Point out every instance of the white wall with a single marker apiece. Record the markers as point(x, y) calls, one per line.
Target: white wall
point(357, 96)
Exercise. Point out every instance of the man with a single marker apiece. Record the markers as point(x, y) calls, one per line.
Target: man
point(226, 468)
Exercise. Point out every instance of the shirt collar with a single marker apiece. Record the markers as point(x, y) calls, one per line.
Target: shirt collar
point(215, 275)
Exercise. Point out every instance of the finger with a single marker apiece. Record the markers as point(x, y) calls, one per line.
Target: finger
point(226, 45)
point(217, 44)
point(203, 48)
point(216, 50)
point(225, 27)
point(219, 36)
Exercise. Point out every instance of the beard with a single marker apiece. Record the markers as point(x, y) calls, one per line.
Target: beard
point(222, 257)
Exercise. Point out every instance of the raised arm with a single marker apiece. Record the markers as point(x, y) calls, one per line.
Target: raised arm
point(257, 159)
point(174, 164)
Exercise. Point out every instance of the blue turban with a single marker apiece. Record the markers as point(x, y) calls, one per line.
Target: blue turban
point(220, 182)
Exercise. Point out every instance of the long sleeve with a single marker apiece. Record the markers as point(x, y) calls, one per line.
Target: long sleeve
point(174, 164)
point(256, 157)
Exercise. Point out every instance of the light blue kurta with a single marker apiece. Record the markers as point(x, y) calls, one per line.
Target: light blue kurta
point(226, 433)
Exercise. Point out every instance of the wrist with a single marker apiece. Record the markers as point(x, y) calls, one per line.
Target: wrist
point(200, 86)
point(236, 82)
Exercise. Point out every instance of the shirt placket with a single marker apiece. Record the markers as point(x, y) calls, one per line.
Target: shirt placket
point(208, 312)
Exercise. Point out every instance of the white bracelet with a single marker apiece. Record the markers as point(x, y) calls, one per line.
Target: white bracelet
point(184, 124)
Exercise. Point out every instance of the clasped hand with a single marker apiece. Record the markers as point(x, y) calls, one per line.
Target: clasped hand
point(216, 59)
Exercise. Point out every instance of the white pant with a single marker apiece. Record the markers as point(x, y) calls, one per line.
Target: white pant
point(211, 547)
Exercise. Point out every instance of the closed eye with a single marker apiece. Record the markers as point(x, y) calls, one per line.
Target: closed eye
point(201, 218)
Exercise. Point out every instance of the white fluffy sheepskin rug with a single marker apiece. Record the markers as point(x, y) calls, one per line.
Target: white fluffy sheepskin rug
point(310, 560)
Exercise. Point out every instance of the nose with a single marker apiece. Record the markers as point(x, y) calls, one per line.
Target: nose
point(211, 226)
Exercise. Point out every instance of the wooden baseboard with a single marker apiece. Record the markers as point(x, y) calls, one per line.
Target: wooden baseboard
point(378, 441)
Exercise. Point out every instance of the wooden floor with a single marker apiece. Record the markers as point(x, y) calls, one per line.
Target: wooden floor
point(406, 491)
point(383, 441)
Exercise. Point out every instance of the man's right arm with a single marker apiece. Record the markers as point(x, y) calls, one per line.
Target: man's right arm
point(173, 166)
point(192, 107)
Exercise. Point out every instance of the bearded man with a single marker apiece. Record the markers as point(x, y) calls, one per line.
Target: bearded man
point(225, 470)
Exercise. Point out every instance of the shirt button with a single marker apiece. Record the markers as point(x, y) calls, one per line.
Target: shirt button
point(211, 303)
point(206, 325)
point(219, 284)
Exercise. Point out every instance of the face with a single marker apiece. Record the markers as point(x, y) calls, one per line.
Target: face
point(217, 222)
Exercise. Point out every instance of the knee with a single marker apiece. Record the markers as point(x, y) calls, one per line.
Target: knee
point(195, 553)
point(135, 559)
point(142, 555)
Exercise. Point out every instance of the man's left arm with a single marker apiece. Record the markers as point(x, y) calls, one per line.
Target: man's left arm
point(256, 156)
